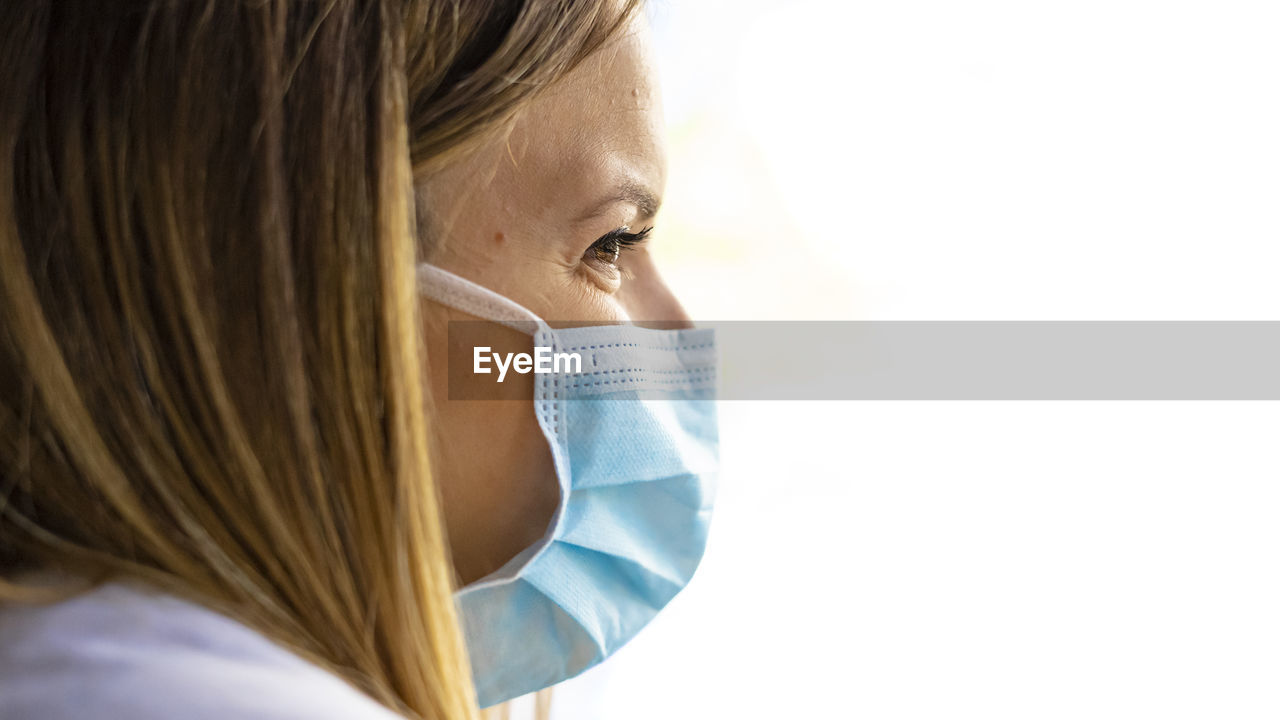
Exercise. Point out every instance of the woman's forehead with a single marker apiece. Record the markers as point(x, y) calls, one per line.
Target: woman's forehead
point(598, 128)
point(602, 121)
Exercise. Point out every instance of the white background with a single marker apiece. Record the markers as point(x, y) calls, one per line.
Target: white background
point(975, 160)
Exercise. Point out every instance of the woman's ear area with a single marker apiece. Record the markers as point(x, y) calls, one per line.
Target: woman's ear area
point(449, 201)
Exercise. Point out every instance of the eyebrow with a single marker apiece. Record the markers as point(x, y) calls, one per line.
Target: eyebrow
point(626, 190)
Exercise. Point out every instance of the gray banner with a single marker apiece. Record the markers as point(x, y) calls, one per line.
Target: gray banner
point(1000, 360)
point(1008, 360)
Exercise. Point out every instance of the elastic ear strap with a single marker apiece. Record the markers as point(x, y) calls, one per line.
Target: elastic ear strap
point(461, 294)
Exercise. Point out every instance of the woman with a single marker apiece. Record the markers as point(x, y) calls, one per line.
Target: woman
point(233, 239)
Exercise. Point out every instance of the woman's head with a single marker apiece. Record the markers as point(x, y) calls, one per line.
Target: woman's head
point(210, 361)
point(551, 213)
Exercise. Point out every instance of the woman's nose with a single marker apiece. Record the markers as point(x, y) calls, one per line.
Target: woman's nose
point(648, 300)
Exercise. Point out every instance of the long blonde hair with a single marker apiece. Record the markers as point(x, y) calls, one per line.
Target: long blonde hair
point(210, 354)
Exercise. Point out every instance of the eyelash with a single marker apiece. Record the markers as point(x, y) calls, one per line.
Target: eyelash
point(612, 243)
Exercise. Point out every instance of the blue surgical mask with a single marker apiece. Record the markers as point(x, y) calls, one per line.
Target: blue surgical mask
point(634, 441)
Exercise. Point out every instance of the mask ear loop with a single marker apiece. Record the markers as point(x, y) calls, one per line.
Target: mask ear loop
point(461, 294)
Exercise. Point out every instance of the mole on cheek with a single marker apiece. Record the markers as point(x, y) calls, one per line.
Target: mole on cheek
point(499, 237)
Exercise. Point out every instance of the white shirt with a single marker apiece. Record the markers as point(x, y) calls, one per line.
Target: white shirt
point(121, 651)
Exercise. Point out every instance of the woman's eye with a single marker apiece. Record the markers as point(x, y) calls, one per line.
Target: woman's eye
point(607, 251)
point(611, 244)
